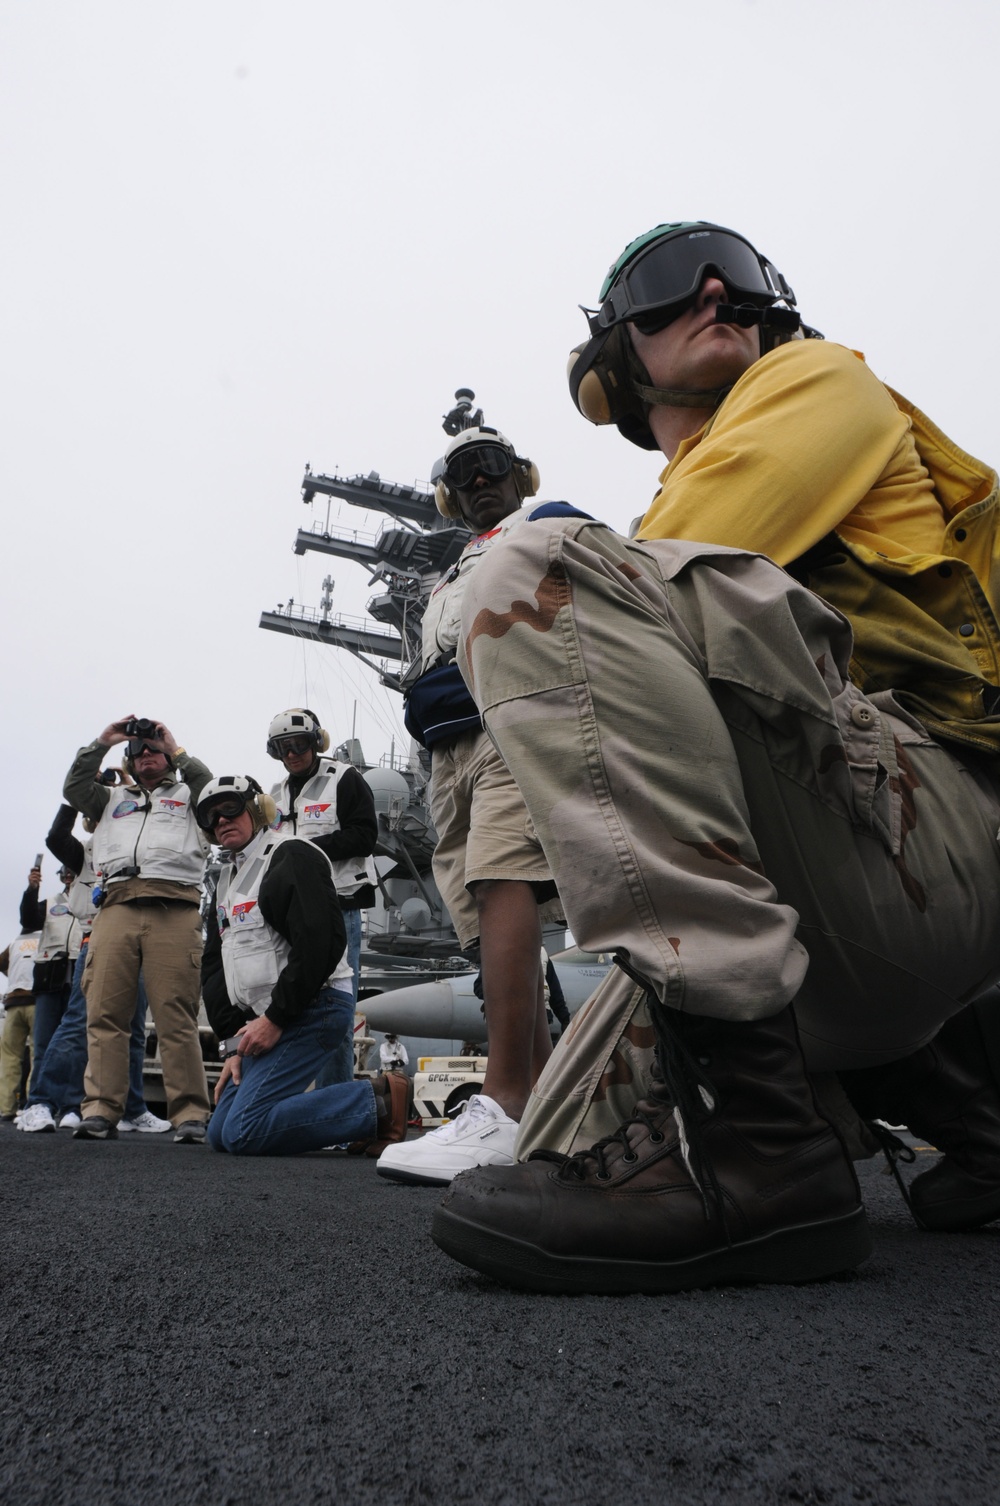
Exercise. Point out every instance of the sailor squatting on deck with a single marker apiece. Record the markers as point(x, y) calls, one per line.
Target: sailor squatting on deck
point(789, 832)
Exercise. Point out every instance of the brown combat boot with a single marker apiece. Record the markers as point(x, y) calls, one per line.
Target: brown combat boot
point(746, 1183)
point(947, 1093)
point(391, 1129)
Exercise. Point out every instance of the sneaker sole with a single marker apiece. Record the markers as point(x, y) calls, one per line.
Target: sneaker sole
point(416, 1178)
point(111, 1134)
point(41, 1129)
point(435, 1178)
point(810, 1252)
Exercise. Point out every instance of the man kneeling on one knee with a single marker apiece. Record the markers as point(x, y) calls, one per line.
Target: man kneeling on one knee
point(278, 991)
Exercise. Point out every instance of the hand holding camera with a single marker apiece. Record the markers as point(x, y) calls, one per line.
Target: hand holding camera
point(138, 731)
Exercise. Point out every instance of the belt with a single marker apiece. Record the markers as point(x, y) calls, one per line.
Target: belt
point(153, 899)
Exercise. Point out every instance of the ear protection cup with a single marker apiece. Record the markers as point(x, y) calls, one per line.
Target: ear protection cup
point(526, 477)
point(322, 736)
point(445, 503)
point(267, 808)
point(600, 373)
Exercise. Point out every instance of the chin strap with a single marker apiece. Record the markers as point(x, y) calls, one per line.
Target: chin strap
point(676, 397)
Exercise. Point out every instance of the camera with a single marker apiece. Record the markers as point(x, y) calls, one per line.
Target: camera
point(109, 777)
point(141, 726)
point(229, 1047)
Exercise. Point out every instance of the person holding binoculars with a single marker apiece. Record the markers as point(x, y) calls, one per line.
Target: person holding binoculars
point(149, 855)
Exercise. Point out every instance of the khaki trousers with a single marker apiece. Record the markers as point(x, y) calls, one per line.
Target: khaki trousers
point(17, 1033)
point(715, 796)
point(163, 939)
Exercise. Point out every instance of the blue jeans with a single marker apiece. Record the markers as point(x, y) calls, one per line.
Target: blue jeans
point(339, 1065)
point(49, 1010)
point(57, 1080)
point(271, 1114)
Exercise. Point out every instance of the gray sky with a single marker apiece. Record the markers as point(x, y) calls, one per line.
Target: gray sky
point(240, 235)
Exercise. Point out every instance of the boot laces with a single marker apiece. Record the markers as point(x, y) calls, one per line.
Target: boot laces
point(688, 1087)
point(576, 1166)
point(895, 1150)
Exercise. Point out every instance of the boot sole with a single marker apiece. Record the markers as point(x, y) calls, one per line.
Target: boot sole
point(808, 1252)
point(959, 1214)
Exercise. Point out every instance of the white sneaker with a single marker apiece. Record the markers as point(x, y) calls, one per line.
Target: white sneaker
point(70, 1120)
point(146, 1123)
point(482, 1135)
point(34, 1118)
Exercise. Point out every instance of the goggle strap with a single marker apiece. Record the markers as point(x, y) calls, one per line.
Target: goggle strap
point(747, 315)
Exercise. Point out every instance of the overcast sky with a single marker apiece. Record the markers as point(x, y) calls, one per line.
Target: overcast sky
point(241, 235)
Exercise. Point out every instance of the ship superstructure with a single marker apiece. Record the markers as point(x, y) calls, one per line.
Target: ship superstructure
point(409, 938)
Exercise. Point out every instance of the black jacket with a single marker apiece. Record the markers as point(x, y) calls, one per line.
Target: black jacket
point(63, 845)
point(298, 899)
point(358, 832)
point(61, 842)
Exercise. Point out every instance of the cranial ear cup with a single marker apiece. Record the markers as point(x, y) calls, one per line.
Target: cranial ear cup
point(526, 478)
point(444, 502)
point(600, 374)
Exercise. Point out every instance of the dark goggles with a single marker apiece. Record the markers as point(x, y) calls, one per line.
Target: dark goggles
point(490, 460)
point(292, 742)
point(227, 808)
point(137, 745)
point(664, 279)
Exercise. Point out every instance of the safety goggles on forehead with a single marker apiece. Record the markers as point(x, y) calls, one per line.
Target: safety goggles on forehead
point(666, 276)
point(226, 809)
point(490, 460)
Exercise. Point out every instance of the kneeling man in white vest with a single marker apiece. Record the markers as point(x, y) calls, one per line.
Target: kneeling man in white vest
point(278, 991)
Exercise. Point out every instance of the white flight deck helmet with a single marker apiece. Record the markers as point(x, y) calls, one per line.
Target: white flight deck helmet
point(298, 722)
point(233, 794)
point(481, 451)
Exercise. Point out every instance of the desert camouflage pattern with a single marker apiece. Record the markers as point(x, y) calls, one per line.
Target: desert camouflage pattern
point(715, 797)
point(597, 1074)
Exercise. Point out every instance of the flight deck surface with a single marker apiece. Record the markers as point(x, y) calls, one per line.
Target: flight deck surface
point(187, 1327)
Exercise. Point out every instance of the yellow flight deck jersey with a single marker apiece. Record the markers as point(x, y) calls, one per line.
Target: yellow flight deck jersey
point(813, 461)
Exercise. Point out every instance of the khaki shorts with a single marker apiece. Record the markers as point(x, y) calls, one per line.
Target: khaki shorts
point(483, 831)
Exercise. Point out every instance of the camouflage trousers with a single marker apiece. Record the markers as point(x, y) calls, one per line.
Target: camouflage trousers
point(715, 797)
